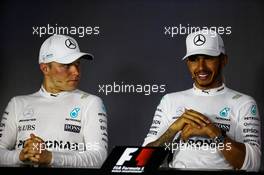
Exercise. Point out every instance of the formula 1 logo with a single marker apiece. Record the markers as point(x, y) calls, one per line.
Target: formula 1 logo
point(74, 112)
point(141, 159)
point(127, 159)
point(199, 40)
point(133, 160)
point(126, 156)
point(70, 43)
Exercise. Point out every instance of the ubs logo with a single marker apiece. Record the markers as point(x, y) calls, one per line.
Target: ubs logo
point(26, 128)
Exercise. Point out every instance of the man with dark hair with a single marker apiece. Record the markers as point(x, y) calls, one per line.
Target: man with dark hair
point(209, 126)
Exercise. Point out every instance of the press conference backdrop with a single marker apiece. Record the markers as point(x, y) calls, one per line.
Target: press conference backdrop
point(138, 43)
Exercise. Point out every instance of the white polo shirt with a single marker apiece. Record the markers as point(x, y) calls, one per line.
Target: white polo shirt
point(73, 125)
point(234, 112)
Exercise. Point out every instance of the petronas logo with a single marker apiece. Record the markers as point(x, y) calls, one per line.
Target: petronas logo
point(74, 112)
point(224, 112)
point(254, 110)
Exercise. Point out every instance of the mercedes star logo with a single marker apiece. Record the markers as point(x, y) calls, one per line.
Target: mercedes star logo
point(199, 40)
point(70, 44)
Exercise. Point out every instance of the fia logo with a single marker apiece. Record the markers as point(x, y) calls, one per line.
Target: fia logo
point(74, 112)
point(224, 112)
point(253, 109)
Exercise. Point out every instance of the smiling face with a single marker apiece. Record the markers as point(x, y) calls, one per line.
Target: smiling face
point(206, 70)
point(61, 77)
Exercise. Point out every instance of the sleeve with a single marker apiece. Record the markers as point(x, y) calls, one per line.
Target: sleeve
point(160, 122)
point(248, 132)
point(95, 139)
point(8, 135)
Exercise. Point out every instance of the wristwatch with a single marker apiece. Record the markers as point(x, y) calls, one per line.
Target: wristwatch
point(220, 138)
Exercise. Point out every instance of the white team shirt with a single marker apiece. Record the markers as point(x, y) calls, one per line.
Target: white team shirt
point(231, 111)
point(73, 125)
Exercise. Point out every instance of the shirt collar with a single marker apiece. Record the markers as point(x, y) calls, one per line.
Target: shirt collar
point(47, 94)
point(209, 92)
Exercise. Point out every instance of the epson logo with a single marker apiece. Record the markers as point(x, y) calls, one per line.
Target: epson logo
point(251, 130)
point(72, 128)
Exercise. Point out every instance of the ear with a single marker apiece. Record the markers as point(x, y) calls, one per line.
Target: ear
point(187, 62)
point(224, 60)
point(44, 67)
